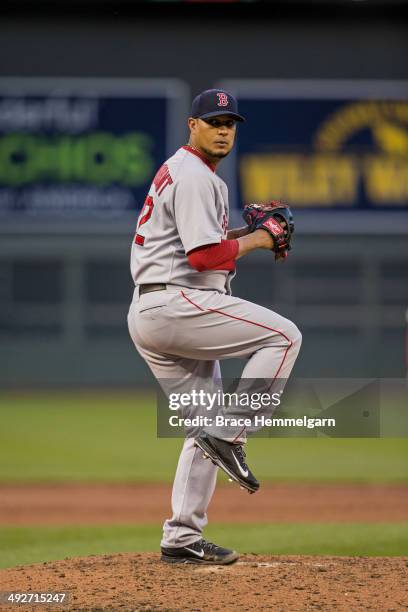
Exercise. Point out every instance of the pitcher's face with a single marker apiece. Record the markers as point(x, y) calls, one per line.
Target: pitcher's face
point(213, 136)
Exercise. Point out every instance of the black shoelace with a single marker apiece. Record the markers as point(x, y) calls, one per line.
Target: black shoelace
point(208, 545)
point(241, 455)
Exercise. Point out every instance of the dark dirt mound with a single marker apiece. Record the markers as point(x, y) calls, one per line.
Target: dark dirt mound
point(130, 582)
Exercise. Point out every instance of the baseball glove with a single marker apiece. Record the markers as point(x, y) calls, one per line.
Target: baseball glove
point(276, 218)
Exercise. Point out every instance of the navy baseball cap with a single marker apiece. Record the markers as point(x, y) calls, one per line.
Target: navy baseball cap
point(213, 102)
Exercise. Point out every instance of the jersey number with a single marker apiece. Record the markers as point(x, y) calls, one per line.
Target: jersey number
point(144, 216)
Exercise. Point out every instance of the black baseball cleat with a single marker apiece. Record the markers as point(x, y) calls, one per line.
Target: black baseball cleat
point(230, 458)
point(200, 552)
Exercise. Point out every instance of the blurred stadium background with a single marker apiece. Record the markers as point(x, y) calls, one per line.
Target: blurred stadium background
point(92, 101)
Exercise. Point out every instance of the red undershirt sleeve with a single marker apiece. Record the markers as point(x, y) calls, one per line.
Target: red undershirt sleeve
point(214, 256)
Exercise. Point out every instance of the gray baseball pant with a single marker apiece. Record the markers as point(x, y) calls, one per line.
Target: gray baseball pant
point(182, 334)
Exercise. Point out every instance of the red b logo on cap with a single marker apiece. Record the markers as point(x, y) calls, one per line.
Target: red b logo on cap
point(222, 99)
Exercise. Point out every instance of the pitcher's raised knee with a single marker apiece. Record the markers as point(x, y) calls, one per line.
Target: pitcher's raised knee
point(292, 333)
point(295, 336)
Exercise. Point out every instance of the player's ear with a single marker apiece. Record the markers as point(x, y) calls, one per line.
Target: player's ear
point(192, 124)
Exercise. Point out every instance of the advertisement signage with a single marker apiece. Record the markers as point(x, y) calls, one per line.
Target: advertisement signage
point(322, 144)
point(84, 147)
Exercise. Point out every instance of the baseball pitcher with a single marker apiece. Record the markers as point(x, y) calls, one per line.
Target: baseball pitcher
point(183, 319)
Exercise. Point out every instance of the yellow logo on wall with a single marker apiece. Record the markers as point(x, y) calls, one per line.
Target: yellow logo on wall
point(341, 166)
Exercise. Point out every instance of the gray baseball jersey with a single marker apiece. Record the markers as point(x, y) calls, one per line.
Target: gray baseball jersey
point(186, 207)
